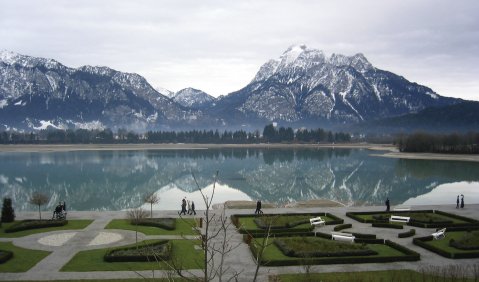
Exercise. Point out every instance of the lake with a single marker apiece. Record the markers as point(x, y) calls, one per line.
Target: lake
point(116, 180)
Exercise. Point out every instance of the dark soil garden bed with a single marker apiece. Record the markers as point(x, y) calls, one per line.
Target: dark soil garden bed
point(156, 251)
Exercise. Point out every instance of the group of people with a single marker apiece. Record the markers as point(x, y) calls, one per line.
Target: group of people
point(60, 210)
point(187, 207)
point(462, 202)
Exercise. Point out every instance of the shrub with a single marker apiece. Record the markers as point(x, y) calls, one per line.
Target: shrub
point(5, 256)
point(156, 251)
point(342, 226)
point(469, 241)
point(387, 225)
point(34, 224)
point(8, 214)
point(408, 233)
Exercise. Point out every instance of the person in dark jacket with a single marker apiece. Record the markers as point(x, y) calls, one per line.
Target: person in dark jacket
point(387, 204)
point(258, 208)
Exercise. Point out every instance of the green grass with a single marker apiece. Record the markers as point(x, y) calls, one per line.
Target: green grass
point(113, 280)
point(92, 260)
point(23, 259)
point(404, 275)
point(272, 252)
point(183, 227)
point(249, 224)
point(444, 243)
point(72, 225)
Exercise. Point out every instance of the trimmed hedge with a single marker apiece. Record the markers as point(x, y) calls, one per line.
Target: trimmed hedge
point(164, 223)
point(34, 224)
point(160, 250)
point(422, 242)
point(5, 256)
point(408, 233)
point(387, 225)
point(342, 226)
point(291, 252)
point(455, 244)
point(409, 255)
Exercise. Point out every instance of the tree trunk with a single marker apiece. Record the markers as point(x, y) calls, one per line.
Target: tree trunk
point(39, 212)
point(151, 210)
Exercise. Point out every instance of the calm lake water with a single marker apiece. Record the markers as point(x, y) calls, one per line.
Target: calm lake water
point(116, 180)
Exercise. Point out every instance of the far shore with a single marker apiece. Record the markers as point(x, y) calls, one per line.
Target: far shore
point(388, 150)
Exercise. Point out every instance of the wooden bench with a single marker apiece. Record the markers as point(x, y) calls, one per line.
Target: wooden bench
point(402, 208)
point(317, 221)
point(340, 236)
point(397, 218)
point(439, 234)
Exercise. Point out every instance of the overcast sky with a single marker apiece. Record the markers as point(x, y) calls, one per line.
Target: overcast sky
point(218, 46)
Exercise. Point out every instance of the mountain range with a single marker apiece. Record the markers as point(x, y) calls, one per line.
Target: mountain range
point(303, 87)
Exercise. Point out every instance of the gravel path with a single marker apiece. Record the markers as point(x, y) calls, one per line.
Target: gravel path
point(65, 244)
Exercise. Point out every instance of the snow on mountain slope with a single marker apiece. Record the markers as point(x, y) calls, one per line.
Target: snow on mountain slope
point(193, 98)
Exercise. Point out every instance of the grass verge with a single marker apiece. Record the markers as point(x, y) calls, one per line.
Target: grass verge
point(23, 259)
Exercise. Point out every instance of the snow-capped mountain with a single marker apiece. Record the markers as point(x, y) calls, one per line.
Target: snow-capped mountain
point(304, 85)
point(38, 91)
point(194, 98)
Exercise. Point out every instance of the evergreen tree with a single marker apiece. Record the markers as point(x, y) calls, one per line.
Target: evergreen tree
point(8, 214)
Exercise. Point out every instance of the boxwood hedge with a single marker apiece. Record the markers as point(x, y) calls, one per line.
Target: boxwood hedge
point(5, 256)
point(408, 233)
point(164, 223)
point(34, 224)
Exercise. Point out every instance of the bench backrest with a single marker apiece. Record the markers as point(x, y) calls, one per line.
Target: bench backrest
point(399, 218)
point(315, 219)
point(342, 234)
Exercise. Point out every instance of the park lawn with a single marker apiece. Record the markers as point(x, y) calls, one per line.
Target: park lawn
point(176, 279)
point(73, 224)
point(272, 252)
point(92, 260)
point(22, 260)
point(416, 215)
point(183, 227)
point(404, 275)
point(443, 244)
point(249, 224)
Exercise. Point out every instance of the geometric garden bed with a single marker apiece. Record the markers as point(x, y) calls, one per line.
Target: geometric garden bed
point(418, 218)
point(455, 245)
point(280, 251)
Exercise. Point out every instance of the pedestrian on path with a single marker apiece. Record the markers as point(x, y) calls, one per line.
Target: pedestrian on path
point(258, 208)
point(462, 201)
point(193, 208)
point(387, 204)
point(189, 206)
point(183, 207)
point(457, 202)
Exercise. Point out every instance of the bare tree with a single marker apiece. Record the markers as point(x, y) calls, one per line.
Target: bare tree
point(135, 216)
point(262, 244)
point(215, 243)
point(38, 199)
point(151, 199)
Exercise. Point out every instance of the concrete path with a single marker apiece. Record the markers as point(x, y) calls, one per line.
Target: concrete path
point(239, 260)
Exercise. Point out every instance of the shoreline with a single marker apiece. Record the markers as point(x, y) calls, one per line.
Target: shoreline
point(171, 146)
point(389, 150)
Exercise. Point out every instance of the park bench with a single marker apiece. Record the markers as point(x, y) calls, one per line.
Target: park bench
point(317, 221)
point(340, 236)
point(402, 208)
point(397, 218)
point(439, 234)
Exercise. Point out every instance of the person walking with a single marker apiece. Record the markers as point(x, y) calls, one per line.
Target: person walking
point(193, 208)
point(189, 206)
point(462, 201)
point(183, 207)
point(457, 202)
point(258, 208)
point(387, 204)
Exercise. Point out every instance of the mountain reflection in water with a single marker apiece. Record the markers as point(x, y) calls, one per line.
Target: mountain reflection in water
point(116, 180)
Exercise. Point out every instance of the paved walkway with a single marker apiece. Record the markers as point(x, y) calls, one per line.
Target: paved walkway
point(240, 260)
